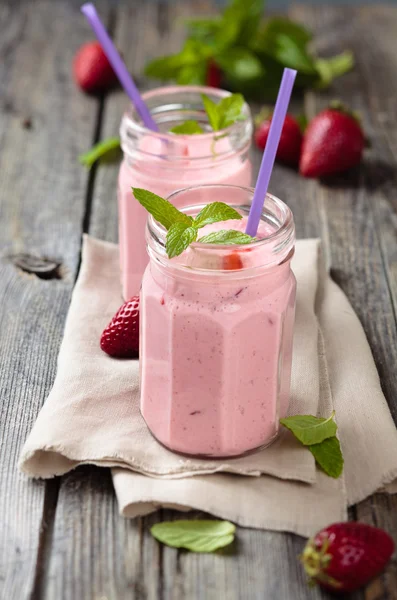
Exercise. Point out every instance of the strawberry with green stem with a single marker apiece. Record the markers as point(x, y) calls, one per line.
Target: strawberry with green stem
point(344, 557)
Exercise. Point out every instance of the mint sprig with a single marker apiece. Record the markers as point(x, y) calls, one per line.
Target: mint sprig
point(250, 51)
point(183, 229)
point(220, 116)
point(195, 535)
point(225, 113)
point(319, 435)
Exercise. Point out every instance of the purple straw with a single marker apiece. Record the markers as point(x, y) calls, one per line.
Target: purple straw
point(269, 155)
point(118, 65)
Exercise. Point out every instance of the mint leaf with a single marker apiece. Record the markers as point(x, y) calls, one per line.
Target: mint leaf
point(310, 430)
point(226, 237)
point(179, 237)
point(229, 110)
point(246, 15)
point(280, 25)
point(197, 536)
point(163, 211)
point(241, 64)
point(99, 150)
point(225, 113)
point(187, 128)
point(329, 456)
point(215, 212)
point(212, 112)
point(187, 66)
point(333, 67)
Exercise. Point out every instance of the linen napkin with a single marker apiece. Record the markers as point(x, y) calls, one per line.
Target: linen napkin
point(92, 414)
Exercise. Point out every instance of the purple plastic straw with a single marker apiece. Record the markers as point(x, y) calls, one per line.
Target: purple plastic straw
point(269, 155)
point(118, 65)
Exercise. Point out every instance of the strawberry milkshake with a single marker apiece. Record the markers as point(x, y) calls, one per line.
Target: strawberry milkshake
point(216, 331)
point(164, 162)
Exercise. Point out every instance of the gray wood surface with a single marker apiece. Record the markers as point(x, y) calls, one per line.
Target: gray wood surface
point(64, 539)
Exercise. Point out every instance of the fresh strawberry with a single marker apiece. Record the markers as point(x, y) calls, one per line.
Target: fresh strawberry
point(333, 142)
point(213, 76)
point(232, 262)
point(121, 336)
point(92, 70)
point(289, 147)
point(345, 556)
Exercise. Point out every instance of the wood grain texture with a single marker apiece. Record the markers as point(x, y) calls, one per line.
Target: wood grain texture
point(361, 209)
point(41, 208)
point(73, 545)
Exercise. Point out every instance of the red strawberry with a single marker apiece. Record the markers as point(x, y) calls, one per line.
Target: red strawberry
point(289, 148)
point(92, 70)
point(333, 142)
point(345, 556)
point(232, 262)
point(213, 76)
point(121, 336)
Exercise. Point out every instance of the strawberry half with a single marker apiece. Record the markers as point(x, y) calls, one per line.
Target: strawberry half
point(345, 556)
point(121, 337)
point(91, 69)
point(289, 147)
point(333, 142)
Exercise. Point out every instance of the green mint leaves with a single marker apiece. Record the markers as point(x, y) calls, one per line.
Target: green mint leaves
point(179, 237)
point(250, 51)
point(197, 536)
point(225, 113)
point(329, 456)
point(187, 128)
point(183, 229)
point(163, 211)
point(220, 116)
point(320, 436)
point(227, 236)
point(214, 213)
point(103, 148)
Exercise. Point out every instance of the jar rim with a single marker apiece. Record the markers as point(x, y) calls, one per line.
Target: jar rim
point(281, 240)
point(132, 126)
point(171, 89)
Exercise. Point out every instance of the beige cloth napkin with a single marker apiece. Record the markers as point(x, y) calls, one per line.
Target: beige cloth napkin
point(92, 415)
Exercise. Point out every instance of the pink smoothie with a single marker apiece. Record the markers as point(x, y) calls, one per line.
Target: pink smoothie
point(163, 179)
point(216, 349)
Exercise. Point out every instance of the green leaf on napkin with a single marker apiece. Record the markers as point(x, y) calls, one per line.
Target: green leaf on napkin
point(318, 435)
point(197, 536)
point(329, 456)
point(310, 430)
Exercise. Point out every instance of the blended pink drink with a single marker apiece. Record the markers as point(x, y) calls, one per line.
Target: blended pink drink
point(216, 332)
point(163, 163)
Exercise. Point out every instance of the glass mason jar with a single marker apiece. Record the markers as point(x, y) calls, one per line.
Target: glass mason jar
point(216, 332)
point(163, 162)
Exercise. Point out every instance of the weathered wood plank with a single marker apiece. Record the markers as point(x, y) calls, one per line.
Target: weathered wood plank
point(362, 219)
point(123, 561)
point(41, 208)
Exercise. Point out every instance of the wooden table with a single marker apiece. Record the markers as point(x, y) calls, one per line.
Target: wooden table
point(63, 538)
